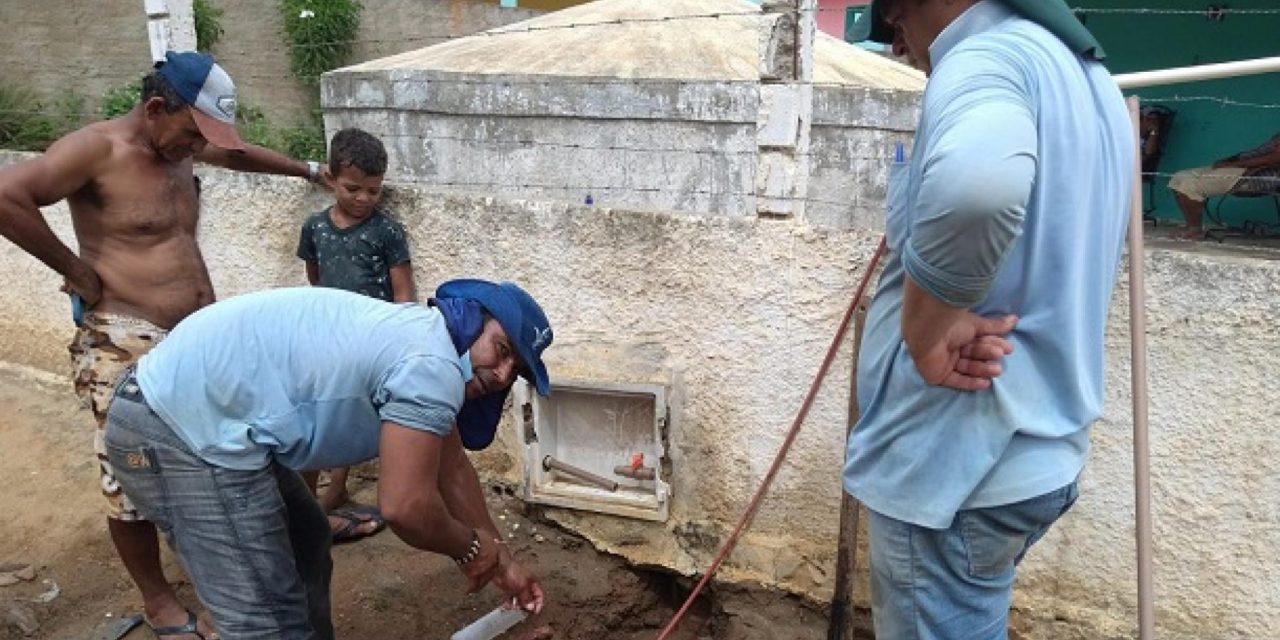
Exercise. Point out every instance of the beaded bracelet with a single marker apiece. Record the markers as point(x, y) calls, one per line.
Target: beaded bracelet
point(473, 551)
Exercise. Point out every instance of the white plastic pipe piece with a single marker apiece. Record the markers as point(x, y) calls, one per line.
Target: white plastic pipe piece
point(1198, 73)
point(492, 625)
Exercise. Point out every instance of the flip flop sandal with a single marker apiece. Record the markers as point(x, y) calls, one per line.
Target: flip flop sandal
point(190, 628)
point(355, 518)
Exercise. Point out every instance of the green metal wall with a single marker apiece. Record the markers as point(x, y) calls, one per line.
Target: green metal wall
point(1203, 131)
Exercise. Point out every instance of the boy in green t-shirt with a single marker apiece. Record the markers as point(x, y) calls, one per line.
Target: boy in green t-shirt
point(352, 245)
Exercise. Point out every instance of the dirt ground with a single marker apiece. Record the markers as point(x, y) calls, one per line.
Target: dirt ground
point(382, 588)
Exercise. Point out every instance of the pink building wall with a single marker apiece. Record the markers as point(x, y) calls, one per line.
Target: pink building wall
point(831, 15)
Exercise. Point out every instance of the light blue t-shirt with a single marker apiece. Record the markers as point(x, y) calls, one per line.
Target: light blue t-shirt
point(305, 376)
point(1015, 200)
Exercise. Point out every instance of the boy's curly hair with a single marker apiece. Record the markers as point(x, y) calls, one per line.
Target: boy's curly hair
point(359, 149)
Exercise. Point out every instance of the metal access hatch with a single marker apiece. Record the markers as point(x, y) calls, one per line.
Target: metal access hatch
point(597, 446)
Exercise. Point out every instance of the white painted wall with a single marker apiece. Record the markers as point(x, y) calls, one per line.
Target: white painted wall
point(734, 315)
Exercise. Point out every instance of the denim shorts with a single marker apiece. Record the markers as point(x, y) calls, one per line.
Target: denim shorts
point(255, 543)
point(955, 583)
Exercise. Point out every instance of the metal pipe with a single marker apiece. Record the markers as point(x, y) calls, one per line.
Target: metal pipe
point(637, 473)
point(1138, 370)
point(549, 463)
point(1198, 72)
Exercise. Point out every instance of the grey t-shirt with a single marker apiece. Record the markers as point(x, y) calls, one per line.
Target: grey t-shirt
point(358, 258)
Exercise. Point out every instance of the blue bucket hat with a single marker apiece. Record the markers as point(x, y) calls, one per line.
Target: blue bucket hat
point(520, 316)
point(1053, 15)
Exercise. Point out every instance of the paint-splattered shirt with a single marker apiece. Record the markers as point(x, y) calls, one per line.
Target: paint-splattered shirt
point(358, 258)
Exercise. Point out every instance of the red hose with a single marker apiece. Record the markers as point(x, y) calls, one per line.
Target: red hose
point(728, 545)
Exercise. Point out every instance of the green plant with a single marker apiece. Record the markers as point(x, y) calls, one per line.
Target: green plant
point(320, 34)
point(208, 21)
point(30, 124)
point(304, 139)
point(120, 100)
point(253, 126)
point(68, 113)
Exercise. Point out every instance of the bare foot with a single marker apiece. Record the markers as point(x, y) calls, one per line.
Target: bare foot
point(1187, 233)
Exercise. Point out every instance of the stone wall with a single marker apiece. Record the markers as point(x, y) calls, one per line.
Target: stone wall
point(655, 145)
point(90, 47)
point(735, 314)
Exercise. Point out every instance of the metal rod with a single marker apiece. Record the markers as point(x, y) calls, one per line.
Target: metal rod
point(638, 473)
point(1198, 72)
point(1141, 443)
point(549, 463)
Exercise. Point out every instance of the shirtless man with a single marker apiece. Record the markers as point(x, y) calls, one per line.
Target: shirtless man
point(132, 194)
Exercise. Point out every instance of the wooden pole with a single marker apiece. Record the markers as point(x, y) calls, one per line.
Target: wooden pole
point(1138, 369)
point(842, 625)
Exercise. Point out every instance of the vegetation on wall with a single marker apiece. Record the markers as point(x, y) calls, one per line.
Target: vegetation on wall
point(208, 23)
point(120, 100)
point(303, 140)
point(320, 35)
point(28, 123)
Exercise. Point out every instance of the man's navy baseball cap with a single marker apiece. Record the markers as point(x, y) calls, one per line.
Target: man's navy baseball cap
point(1053, 15)
point(520, 316)
point(207, 88)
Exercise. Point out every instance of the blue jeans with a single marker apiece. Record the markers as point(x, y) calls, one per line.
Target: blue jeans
point(955, 583)
point(255, 543)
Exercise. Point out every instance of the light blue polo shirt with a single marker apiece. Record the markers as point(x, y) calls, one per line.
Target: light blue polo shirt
point(305, 376)
point(1015, 200)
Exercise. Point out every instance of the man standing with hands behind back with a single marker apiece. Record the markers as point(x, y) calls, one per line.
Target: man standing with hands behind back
point(982, 363)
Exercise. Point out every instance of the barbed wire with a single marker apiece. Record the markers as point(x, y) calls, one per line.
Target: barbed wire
point(594, 190)
point(1226, 102)
point(1121, 10)
point(552, 81)
point(1223, 11)
point(515, 28)
point(1243, 177)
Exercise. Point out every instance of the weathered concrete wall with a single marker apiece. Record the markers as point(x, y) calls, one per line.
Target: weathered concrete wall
point(735, 314)
point(656, 145)
point(90, 47)
point(85, 47)
point(1212, 359)
point(852, 140)
point(254, 50)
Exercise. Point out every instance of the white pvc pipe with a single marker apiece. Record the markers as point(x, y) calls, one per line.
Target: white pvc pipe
point(1198, 72)
point(1138, 371)
point(492, 624)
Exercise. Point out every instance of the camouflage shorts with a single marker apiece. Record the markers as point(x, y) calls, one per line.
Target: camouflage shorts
point(104, 347)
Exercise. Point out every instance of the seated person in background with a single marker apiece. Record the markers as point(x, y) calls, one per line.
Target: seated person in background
point(1257, 169)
